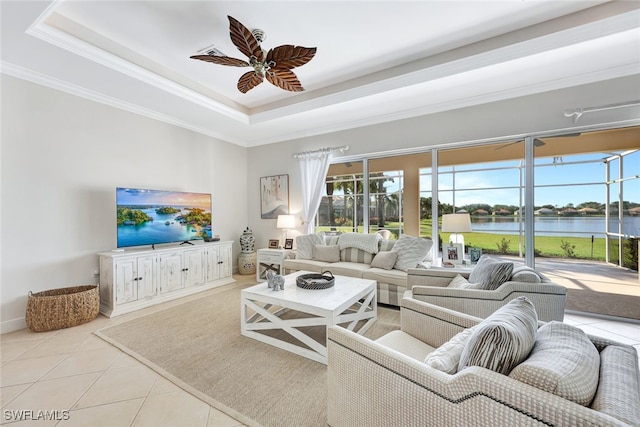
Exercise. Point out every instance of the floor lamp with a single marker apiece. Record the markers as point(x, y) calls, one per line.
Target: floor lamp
point(285, 222)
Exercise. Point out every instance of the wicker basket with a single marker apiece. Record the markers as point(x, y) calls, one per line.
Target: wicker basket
point(62, 308)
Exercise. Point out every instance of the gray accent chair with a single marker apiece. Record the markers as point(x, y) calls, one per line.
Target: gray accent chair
point(385, 382)
point(430, 285)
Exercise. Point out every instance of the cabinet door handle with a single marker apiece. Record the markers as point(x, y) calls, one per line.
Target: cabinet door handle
point(139, 278)
point(135, 279)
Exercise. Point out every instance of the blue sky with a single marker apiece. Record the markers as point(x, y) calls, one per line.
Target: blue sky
point(580, 182)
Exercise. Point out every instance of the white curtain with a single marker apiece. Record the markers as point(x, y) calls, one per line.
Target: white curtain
point(313, 171)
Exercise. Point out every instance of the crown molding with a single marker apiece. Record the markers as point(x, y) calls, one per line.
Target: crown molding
point(45, 80)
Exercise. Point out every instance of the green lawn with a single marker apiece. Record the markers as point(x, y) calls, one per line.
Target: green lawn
point(545, 246)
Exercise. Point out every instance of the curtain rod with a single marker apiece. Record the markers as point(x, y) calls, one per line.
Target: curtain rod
point(321, 150)
point(578, 112)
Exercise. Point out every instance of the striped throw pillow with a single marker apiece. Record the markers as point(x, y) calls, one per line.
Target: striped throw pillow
point(504, 339)
point(490, 273)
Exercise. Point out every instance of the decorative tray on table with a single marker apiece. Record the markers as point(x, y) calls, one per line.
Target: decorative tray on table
point(315, 280)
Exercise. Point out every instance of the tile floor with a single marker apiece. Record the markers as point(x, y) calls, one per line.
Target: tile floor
point(90, 383)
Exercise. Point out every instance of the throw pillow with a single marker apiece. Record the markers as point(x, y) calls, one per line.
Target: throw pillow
point(385, 260)
point(460, 282)
point(411, 251)
point(304, 245)
point(564, 362)
point(326, 253)
point(447, 357)
point(491, 273)
point(522, 273)
point(504, 339)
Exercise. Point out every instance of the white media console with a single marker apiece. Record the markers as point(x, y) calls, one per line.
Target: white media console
point(135, 279)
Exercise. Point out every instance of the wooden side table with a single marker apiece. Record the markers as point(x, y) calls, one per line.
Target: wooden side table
point(269, 259)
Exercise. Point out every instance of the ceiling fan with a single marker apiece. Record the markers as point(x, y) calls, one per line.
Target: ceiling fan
point(275, 65)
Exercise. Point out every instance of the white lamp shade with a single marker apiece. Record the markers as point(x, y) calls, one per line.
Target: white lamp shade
point(456, 223)
point(286, 221)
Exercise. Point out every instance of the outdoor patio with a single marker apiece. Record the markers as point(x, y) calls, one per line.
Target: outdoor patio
point(596, 287)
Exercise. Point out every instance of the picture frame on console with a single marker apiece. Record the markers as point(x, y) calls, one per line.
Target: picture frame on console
point(474, 255)
point(453, 253)
point(274, 196)
point(288, 243)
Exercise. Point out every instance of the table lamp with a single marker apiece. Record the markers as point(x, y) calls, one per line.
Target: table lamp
point(286, 222)
point(456, 223)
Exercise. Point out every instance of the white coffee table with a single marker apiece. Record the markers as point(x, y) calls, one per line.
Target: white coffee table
point(347, 303)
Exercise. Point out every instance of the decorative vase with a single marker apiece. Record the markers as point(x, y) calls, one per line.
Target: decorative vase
point(247, 241)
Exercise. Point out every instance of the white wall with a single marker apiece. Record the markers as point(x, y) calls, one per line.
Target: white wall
point(62, 158)
point(519, 116)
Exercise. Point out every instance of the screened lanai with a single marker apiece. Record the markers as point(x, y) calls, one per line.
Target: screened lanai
point(583, 189)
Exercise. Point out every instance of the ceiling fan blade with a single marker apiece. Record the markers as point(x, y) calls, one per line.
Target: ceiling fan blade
point(244, 40)
point(248, 81)
point(222, 60)
point(284, 79)
point(290, 56)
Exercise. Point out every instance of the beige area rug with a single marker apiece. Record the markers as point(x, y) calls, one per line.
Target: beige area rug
point(197, 345)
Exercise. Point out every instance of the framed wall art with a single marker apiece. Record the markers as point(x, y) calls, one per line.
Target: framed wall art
point(274, 196)
point(453, 253)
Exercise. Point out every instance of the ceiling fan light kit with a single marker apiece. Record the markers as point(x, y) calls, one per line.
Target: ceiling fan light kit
point(275, 65)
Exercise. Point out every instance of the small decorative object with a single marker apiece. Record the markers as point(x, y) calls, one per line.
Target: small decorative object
point(247, 241)
point(288, 244)
point(453, 253)
point(274, 196)
point(274, 281)
point(273, 243)
point(247, 263)
point(316, 281)
point(247, 257)
point(474, 255)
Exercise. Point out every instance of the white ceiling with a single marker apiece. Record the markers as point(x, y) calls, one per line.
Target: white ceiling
point(376, 60)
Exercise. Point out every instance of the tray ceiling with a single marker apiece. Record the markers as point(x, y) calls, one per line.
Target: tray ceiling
point(377, 61)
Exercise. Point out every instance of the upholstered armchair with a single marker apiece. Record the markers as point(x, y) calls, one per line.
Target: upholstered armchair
point(387, 382)
point(438, 286)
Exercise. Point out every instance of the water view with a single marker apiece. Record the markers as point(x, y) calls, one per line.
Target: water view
point(556, 225)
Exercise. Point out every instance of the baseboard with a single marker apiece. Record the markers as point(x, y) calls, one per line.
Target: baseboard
point(12, 325)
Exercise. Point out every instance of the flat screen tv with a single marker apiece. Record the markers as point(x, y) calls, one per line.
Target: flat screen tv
point(152, 217)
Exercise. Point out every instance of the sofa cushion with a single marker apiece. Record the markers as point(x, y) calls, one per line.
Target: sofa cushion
point(305, 243)
point(618, 392)
point(351, 269)
point(563, 361)
point(385, 260)
point(491, 273)
point(326, 253)
point(504, 339)
point(305, 265)
point(522, 273)
point(411, 251)
point(355, 255)
point(460, 282)
point(393, 277)
point(406, 344)
point(366, 242)
point(447, 357)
